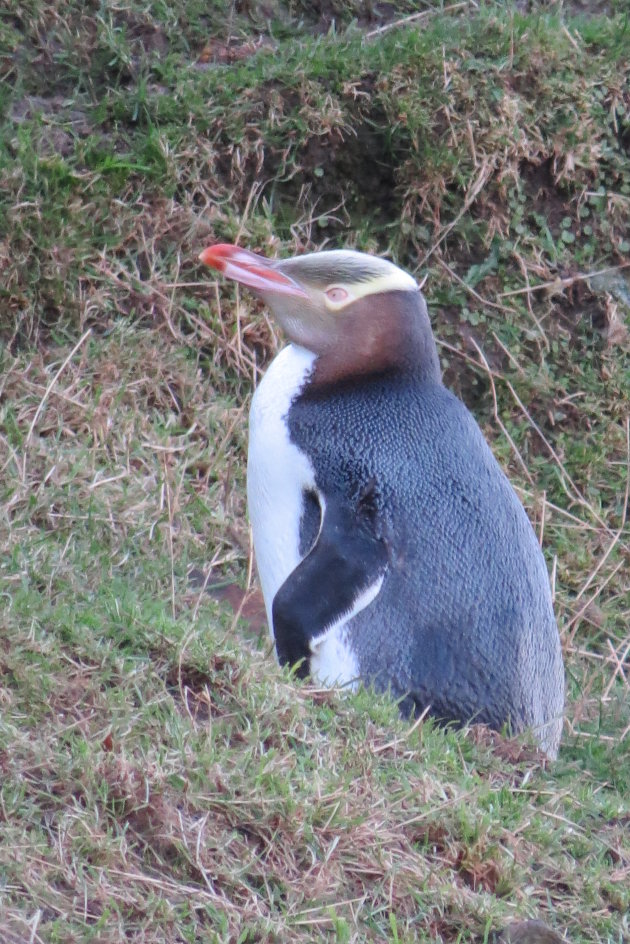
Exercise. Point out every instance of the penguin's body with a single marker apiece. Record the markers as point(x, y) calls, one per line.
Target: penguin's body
point(391, 547)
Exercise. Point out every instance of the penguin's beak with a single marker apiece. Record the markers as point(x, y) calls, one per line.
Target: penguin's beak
point(251, 270)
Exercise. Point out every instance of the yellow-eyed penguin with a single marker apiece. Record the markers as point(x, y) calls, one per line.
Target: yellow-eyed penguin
point(390, 546)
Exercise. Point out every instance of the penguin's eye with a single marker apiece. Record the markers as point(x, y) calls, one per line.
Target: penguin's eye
point(337, 294)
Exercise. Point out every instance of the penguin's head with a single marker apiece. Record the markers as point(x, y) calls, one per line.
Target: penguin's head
point(358, 313)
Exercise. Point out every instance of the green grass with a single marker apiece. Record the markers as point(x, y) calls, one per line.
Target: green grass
point(161, 780)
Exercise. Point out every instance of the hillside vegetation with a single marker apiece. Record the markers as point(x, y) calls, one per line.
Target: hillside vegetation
point(161, 779)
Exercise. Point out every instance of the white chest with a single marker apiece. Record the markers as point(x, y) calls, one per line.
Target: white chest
point(277, 472)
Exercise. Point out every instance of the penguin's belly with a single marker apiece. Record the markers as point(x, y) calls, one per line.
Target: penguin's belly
point(334, 662)
point(279, 477)
point(278, 472)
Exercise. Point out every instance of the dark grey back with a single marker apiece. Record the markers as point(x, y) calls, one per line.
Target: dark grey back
point(464, 621)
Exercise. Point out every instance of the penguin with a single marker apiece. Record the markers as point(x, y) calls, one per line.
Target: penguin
point(391, 549)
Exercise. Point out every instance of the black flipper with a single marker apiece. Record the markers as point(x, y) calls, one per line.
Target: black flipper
point(348, 559)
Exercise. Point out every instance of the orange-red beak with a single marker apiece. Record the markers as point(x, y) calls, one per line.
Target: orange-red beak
point(251, 270)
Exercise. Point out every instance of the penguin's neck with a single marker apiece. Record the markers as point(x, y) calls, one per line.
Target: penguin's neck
point(380, 333)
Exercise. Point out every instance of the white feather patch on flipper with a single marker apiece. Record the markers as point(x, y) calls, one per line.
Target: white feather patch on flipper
point(278, 472)
point(333, 661)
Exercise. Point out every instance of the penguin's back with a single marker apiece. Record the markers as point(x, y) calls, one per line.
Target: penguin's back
point(463, 622)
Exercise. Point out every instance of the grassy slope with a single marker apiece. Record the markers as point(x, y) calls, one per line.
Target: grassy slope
point(160, 779)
